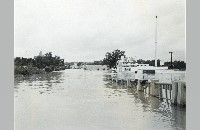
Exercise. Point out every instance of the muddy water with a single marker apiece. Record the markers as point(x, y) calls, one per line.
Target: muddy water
point(85, 100)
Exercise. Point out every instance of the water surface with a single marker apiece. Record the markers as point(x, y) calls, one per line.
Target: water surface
point(85, 100)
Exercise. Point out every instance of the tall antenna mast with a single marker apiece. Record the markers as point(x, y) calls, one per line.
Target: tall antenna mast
point(156, 44)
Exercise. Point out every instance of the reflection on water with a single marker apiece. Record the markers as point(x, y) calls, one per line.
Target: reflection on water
point(78, 99)
point(42, 83)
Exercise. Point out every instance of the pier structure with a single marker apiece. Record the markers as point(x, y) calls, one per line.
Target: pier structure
point(174, 91)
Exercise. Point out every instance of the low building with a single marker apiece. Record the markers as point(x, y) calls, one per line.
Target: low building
point(128, 68)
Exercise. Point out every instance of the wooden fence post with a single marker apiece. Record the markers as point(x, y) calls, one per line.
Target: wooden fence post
point(181, 98)
point(174, 92)
point(139, 86)
point(160, 93)
point(154, 88)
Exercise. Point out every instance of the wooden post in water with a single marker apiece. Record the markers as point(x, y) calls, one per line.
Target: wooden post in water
point(170, 91)
point(128, 82)
point(139, 86)
point(160, 93)
point(166, 92)
point(181, 97)
point(154, 88)
point(174, 92)
point(149, 88)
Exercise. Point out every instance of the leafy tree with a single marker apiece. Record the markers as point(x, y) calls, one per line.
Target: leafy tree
point(49, 54)
point(112, 58)
point(181, 65)
point(17, 61)
point(79, 63)
point(39, 61)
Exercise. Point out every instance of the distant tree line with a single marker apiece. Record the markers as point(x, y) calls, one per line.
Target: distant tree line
point(95, 63)
point(80, 64)
point(150, 62)
point(46, 62)
point(111, 59)
point(181, 65)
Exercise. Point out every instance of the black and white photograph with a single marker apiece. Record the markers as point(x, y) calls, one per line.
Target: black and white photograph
point(100, 65)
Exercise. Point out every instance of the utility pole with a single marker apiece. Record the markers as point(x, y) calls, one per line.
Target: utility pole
point(171, 58)
point(156, 44)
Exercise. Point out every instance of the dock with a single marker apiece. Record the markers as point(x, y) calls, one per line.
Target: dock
point(174, 92)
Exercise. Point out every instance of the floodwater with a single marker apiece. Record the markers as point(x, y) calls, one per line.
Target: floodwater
point(85, 100)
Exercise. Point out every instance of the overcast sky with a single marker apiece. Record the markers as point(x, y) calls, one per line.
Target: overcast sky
point(84, 30)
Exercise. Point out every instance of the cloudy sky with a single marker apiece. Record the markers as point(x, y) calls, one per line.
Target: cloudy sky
point(84, 30)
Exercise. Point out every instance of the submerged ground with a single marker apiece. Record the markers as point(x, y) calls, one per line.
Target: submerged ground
point(85, 100)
